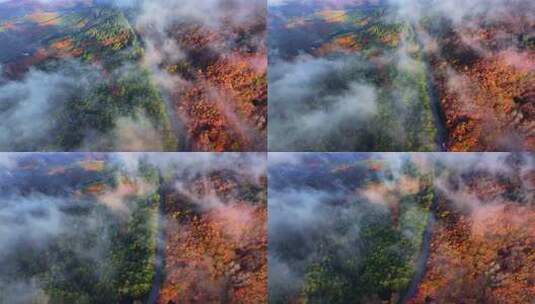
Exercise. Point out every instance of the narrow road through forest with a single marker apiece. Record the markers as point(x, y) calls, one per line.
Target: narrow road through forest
point(436, 108)
point(159, 271)
point(421, 263)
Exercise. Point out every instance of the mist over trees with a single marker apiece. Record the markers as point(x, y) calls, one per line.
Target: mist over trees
point(362, 228)
point(101, 228)
point(400, 75)
point(137, 75)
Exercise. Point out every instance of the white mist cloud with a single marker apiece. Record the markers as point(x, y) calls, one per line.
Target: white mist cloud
point(300, 111)
point(29, 106)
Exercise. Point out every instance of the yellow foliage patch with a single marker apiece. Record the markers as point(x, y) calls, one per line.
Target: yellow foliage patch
point(345, 44)
point(94, 166)
point(333, 16)
point(63, 46)
point(44, 18)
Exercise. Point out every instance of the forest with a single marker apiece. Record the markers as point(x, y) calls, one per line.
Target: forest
point(123, 76)
point(401, 76)
point(100, 96)
point(401, 228)
point(483, 71)
point(359, 67)
point(132, 228)
point(76, 229)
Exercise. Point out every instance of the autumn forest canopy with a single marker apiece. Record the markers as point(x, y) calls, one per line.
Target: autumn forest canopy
point(194, 228)
point(267, 151)
point(401, 75)
point(116, 75)
point(131, 228)
point(401, 228)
